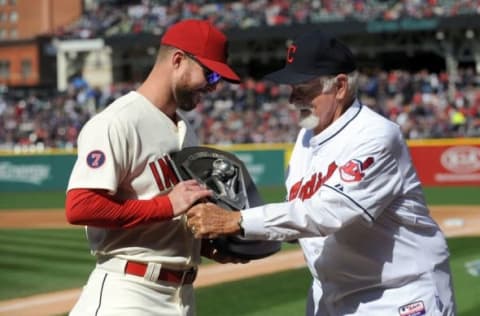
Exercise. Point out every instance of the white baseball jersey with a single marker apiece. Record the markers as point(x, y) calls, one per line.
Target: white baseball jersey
point(354, 184)
point(122, 149)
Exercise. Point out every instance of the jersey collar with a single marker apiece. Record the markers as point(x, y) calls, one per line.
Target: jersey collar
point(337, 126)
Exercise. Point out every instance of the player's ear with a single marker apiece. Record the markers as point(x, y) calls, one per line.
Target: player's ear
point(341, 82)
point(177, 58)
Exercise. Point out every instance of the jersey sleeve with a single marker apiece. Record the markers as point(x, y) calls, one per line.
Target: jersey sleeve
point(372, 178)
point(95, 208)
point(102, 157)
point(360, 188)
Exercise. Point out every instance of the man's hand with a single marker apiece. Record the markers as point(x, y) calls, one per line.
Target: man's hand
point(184, 194)
point(207, 220)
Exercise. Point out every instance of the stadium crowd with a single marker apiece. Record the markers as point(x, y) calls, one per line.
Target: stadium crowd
point(154, 16)
point(252, 112)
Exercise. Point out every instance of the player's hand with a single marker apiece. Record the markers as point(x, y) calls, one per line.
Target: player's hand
point(207, 220)
point(184, 194)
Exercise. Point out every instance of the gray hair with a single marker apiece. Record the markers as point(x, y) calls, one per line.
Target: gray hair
point(328, 83)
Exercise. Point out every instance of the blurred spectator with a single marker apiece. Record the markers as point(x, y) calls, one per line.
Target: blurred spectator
point(252, 112)
point(151, 16)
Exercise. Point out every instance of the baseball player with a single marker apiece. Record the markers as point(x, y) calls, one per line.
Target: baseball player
point(354, 200)
point(124, 189)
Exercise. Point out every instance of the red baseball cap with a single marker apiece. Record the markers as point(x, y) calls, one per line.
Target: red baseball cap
point(205, 42)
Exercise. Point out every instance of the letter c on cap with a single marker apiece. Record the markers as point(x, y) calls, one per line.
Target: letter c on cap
point(290, 53)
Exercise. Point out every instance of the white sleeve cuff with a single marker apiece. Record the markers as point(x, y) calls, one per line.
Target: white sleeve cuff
point(252, 224)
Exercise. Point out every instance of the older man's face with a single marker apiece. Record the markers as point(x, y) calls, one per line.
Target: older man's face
point(309, 99)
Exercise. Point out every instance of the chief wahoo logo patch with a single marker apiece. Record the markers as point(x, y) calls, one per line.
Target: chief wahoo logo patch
point(352, 171)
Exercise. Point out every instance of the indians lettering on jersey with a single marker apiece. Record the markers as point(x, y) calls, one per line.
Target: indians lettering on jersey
point(163, 173)
point(352, 171)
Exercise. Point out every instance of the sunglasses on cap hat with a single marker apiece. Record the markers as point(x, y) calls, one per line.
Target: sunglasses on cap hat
point(211, 76)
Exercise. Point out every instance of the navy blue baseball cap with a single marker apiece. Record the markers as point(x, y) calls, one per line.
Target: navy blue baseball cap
point(312, 55)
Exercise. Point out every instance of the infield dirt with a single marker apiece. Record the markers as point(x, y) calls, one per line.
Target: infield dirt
point(454, 220)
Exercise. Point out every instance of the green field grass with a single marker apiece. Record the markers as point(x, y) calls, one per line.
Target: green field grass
point(41, 200)
point(276, 294)
point(467, 286)
point(36, 261)
point(284, 294)
point(56, 199)
point(42, 260)
point(32, 200)
point(452, 195)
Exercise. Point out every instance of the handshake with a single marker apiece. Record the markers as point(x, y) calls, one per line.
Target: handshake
point(232, 189)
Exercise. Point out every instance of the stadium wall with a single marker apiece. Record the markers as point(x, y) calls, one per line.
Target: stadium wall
point(439, 162)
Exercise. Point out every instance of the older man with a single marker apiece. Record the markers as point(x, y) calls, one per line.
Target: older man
point(354, 200)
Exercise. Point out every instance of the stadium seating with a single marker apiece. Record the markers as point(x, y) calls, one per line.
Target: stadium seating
point(254, 111)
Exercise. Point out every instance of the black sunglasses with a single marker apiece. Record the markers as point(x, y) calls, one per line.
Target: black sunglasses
point(212, 77)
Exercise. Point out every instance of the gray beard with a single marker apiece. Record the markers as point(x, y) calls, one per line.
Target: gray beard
point(309, 122)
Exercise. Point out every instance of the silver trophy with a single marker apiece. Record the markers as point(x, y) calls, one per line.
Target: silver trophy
point(233, 189)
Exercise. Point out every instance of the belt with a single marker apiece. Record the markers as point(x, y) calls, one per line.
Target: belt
point(173, 276)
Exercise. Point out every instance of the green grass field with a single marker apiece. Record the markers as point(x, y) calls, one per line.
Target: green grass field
point(42, 260)
point(36, 200)
point(36, 261)
point(284, 294)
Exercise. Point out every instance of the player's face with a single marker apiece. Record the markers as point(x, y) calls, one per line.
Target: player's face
point(196, 82)
point(317, 109)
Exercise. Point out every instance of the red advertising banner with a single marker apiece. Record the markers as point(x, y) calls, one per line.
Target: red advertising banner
point(452, 162)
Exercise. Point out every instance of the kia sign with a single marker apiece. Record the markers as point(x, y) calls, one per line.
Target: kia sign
point(447, 165)
point(461, 159)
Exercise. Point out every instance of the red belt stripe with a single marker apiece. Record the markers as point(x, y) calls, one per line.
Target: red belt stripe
point(173, 276)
